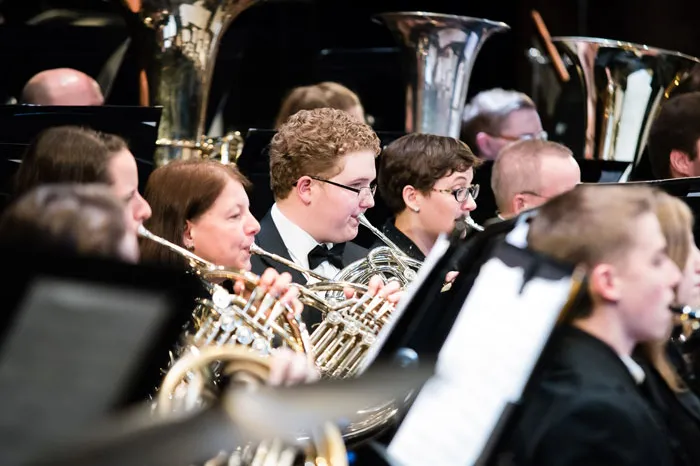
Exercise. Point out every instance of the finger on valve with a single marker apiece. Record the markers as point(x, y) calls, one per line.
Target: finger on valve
point(288, 368)
point(376, 283)
point(275, 283)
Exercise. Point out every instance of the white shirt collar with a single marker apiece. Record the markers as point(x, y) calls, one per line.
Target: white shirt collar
point(299, 243)
point(635, 369)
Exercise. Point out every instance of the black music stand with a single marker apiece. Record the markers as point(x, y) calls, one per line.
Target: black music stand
point(435, 322)
point(80, 339)
point(20, 124)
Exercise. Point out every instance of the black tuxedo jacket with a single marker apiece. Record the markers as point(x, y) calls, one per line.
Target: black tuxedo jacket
point(270, 240)
point(588, 410)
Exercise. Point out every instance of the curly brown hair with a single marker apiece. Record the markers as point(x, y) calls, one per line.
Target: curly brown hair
point(419, 160)
point(312, 142)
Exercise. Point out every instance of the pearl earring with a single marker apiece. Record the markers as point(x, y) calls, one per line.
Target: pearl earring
point(416, 209)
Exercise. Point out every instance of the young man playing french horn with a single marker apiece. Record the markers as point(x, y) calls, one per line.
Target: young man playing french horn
point(322, 172)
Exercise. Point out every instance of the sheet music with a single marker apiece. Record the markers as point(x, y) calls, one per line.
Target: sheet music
point(484, 364)
point(438, 250)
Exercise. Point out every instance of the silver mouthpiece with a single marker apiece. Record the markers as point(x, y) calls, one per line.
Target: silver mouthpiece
point(470, 221)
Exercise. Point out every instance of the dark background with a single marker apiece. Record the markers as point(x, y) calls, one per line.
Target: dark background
point(278, 44)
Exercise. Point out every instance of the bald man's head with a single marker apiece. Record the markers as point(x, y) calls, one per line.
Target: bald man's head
point(62, 86)
point(527, 174)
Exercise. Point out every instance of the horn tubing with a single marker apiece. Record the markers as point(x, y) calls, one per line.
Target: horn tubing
point(390, 244)
point(255, 249)
point(143, 231)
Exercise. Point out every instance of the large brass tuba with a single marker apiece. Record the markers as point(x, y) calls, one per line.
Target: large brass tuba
point(180, 39)
point(440, 51)
point(620, 87)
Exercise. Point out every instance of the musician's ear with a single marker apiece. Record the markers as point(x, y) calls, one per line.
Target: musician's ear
point(188, 235)
point(303, 189)
point(410, 198)
point(680, 164)
point(483, 143)
point(603, 284)
point(518, 204)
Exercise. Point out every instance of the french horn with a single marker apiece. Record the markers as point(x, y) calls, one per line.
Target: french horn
point(349, 328)
point(244, 367)
point(257, 320)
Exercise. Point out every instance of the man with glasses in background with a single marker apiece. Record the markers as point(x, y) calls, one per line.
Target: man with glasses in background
point(526, 174)
point(322, 173)
point(498, 117)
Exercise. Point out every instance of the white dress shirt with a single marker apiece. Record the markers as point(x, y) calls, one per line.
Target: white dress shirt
point(299, 244)
point(635, 369)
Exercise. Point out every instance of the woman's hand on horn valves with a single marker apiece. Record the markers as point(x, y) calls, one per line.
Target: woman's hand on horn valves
point(278, 285)
point(290, 368)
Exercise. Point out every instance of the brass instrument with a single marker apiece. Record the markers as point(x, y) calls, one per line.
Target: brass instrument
point(621, 87)
point(440, 51)
point(349, 328)
point(689, 320)
point(258, 320)
point(245, 367)
point(181, 40)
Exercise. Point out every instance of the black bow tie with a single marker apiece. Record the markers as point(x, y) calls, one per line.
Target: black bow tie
point(321, 254)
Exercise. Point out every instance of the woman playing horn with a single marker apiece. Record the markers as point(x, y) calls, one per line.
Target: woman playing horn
point(426, 181)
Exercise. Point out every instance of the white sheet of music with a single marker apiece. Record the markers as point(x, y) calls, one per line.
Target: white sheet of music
point(439, 248)
point(484, 364)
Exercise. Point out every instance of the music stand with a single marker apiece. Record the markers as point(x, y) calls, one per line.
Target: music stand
point(20, 124)
point(80, 339)
point(480, 379)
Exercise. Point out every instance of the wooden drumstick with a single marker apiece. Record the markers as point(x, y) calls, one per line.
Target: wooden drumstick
point(551, 49)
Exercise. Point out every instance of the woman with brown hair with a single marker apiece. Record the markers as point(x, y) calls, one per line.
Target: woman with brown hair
point(322, 95)
point(200, 205)
point(426, 182)
point(70, 154)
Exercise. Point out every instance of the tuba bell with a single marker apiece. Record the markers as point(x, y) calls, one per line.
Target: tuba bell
point(180, 41)
point(618, 90)
point(440, 51)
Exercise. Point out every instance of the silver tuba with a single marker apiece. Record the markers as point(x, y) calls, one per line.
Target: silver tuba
point(440, 52)
point(181, 39)
point(620, 87)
